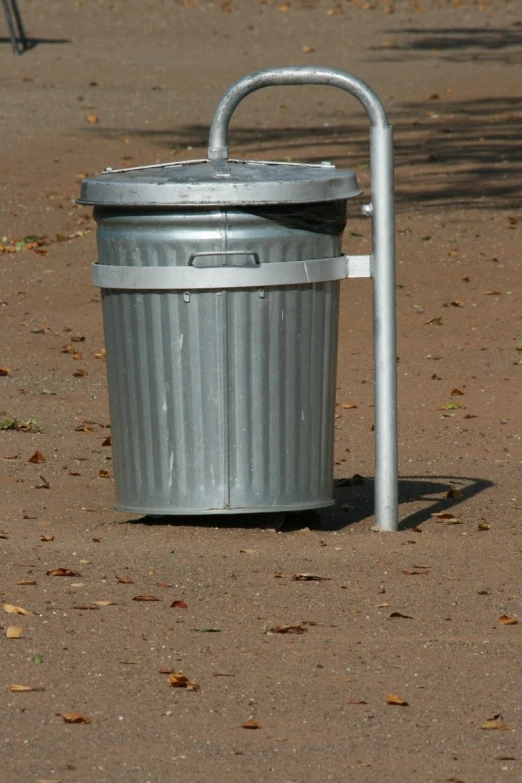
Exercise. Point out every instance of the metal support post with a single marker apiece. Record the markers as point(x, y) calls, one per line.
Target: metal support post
point(15, 26)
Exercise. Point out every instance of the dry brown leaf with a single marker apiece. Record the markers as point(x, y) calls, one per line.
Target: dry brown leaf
point(483, 526)
point(415, 573)
point(100, 354)
point(104, 603)
point(399, 614)
point(80, 373)
point(62, 572)
point(14, 631)
point(145, 598)
point(247, 551)
point(457, 393)
point(454, 493)
point(125, 580)
point(178, 605)
point(392, 698)
point(26, 582)
point(251, 724)
point(162, 584)
point(349, 405)
point(165, 670)
point(444, 516)
point(308, 49)
point(288, 629)
point(92, 119)
point(86, 608)
point(280, 575)
point(44, 485)
point(494, 724)
point(75, 717)
point(16, 688)
point(179, 680)
point(37, 458)
point(104, 474)
point(46, 538)
point(12, 609)
point(4, 371)
point(310, 578)
point(107, 441)
point(507, 620)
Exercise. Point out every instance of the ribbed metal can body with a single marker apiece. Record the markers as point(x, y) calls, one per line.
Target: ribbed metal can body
point(221, 401)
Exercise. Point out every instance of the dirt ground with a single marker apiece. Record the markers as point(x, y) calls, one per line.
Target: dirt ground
point(415, 614)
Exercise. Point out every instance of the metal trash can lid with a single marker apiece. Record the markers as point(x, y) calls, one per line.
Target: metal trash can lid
point(219, 183)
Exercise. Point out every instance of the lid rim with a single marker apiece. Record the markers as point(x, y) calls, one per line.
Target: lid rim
point(198, 183)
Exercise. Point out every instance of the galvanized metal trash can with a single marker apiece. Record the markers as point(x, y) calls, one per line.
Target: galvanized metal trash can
point(220, 291)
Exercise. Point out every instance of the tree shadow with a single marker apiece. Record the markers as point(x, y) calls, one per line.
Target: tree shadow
point(463, 154)
point(354, 503)
point(454, 44)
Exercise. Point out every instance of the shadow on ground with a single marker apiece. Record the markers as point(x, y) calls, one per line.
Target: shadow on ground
point(354, 502)
point(454, 44)
point(464, 154)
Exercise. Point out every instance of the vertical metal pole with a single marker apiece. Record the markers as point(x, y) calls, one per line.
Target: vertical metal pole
point(384, 330)
point(10, 26)
point(19, 24)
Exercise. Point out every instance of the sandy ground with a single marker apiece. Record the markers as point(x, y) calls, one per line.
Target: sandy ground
point(415, 614)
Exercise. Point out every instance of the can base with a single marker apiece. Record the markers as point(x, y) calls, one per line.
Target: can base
point(195, 512)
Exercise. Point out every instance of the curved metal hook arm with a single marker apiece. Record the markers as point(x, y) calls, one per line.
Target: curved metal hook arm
point(270, 77)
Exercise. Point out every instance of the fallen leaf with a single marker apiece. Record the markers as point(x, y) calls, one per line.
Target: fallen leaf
point(288, 629)
point(507, 620)
point(44, 485)
point(349, 405)
point(178, 605)
point(454, 493)
point(457, 393)
point(104, 603)
point(23, 688)
point(104, 474)
point(450, 406)
point(74, 717)
point(445, 517)
point(251, 724)
point(92, 119)
point(125, 580)
point(356, 701)
point(80, 373)
point(37, 658)
point(179, 680)
point(311, 578)
point(415, 573)
point(423, 566)
point(26, 582)
point(62, 572)
point(4, 371)
point(14, 631)
point(399, 614)
point(12, 609)
point(86, 608)
point(145, 598)
point(100, 354)
point(107, 441)
point(308, 49)
point(435, 321)
point(494, 724)
point(247, 551)
point(46, 538)
point(162, 584)
point(391, 698)
point(483, 526)
point(206, 630)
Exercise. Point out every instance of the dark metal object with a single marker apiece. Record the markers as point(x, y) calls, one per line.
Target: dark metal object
point(15, 26)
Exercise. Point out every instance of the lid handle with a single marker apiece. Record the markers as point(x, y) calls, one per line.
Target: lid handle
point(270, 77)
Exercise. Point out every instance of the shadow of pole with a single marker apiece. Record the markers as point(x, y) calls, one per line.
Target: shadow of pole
point(354, 502)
